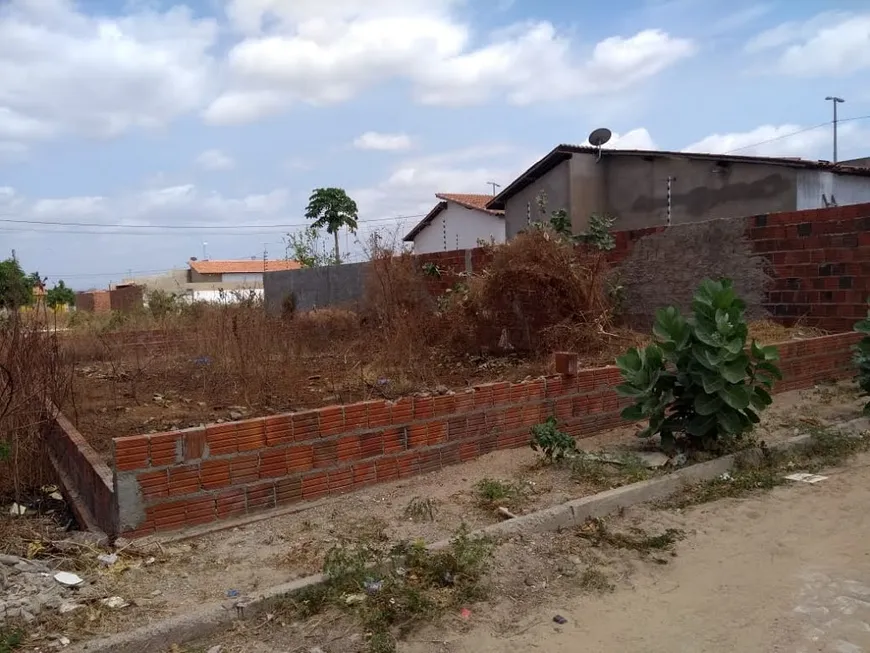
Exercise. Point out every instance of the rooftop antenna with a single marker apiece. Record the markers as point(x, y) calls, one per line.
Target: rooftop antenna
point(598, 138)
point(494, 186)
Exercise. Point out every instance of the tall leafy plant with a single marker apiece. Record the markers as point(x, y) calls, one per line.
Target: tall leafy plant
point(696, 380)
point(862, 358)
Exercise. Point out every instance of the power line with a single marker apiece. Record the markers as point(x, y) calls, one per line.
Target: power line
point(204, 227)
point(794, 133)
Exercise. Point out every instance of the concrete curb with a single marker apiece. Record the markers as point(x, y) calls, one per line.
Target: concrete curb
point(210, 618)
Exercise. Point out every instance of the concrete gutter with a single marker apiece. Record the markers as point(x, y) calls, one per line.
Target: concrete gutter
point(212, 617)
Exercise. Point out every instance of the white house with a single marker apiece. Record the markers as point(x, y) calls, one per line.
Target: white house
point(458, 221)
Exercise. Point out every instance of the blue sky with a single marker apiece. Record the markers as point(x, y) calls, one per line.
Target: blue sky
point(213, 120)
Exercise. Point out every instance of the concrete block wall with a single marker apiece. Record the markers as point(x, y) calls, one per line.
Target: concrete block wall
point(168, 481)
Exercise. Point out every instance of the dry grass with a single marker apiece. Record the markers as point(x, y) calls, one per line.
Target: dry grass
point(221, 362)
point(33, 372)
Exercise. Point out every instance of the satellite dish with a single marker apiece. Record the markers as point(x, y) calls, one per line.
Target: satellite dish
point(599, 137)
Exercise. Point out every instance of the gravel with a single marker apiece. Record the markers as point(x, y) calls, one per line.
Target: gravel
point(27, 589)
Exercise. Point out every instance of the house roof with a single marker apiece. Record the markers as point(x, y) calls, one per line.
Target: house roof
point(564, 152)
point(471, 201)
point(244, 266)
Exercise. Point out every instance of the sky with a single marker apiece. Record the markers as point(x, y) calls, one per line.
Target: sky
point(135, 134)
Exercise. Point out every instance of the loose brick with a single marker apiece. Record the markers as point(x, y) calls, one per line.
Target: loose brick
point(566, 363)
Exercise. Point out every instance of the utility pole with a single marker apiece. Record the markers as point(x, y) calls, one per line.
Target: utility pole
point(835, 101)
point(494, 186)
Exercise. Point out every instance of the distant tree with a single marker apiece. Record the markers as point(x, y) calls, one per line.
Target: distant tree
point(332, 209)
point(304, 247)
point(60, 295)
point(16, 287)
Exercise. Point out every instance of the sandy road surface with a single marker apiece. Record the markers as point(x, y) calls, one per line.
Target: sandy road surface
point(783, 571)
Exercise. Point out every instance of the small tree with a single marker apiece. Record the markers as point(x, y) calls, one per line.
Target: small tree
point(696, 380)
point(16, 287)
point(862, 358)
point(303, 247)
point(332, 209)
point(59, 296)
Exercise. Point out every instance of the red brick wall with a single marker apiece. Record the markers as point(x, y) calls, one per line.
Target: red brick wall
point(86, 479)
point(126, 299)
point(820, 261)
point(95, 301)
point(202, 475)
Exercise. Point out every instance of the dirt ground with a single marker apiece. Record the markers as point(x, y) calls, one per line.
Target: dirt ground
point(160, 580)
point(786, 570)
point(128, 393)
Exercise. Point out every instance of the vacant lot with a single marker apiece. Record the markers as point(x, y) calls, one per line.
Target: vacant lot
point(235, 363)
point(176, 577)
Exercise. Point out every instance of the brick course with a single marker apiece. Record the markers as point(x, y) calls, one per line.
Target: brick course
point(336, 450)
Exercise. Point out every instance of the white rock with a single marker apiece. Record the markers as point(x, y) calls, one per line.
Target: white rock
point(68, 579)
point(68, 606)
point(114, 602)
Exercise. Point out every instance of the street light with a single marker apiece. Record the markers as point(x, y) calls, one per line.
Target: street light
point(835, 101)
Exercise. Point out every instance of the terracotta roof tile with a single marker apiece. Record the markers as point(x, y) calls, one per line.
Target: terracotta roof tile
point(470, 200)
point(245, 266)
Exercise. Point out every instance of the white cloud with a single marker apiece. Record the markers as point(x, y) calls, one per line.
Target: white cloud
point(324, 53)
point(183, 204)
point(783, 141)
point(379, 141)
point(410, 186)
point(215, 160)
point(636, 139)
point(828, 44)
point(62, 71)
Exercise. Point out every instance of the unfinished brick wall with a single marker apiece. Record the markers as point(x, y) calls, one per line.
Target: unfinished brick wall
point(94, 301)
point(167, 481)
point(126, 299)
point(86, 478)
point(818, 262)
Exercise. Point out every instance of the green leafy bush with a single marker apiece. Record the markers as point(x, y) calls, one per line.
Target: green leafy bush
point(551, 442)
point(697, 380)
point(862, 358)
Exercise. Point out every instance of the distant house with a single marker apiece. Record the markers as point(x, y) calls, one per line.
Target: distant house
point(644, 188)
point(224, 280)
point(458, 221)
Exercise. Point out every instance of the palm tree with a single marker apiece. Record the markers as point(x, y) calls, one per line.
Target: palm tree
point(333, 209)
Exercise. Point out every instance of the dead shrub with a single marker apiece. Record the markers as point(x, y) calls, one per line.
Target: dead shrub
point(33, 373)
point(540, 292)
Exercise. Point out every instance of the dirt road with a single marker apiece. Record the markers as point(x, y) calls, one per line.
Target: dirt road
point(783, 571)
